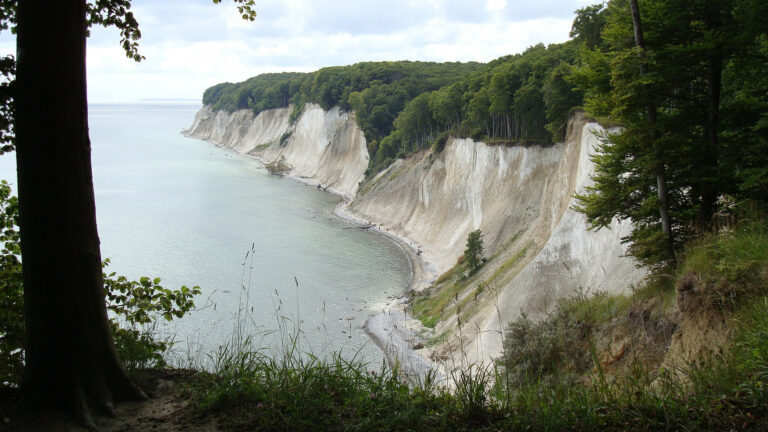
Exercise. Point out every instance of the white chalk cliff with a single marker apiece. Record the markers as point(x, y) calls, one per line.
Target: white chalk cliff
point(321, 147)
point(521, 197)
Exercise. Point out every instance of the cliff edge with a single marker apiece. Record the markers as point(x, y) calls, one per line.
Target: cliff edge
point(320, 147)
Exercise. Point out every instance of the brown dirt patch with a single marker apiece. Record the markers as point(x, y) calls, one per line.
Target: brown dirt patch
point(167, 410)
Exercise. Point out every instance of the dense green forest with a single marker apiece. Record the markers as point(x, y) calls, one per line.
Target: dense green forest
point(377, 91)
point(685, 83)
point(517, 98)
point(404, 107)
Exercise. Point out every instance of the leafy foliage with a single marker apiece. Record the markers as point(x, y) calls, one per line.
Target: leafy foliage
point(376, 91)
point(106, 13)
point(546, 350)
point(729, 266)
point(249, 389)
point(703, 85)
point(245, 8)
point(403, 107)
point(7, 75)
point(117, 13)
point(135, 305)
point(11, 293)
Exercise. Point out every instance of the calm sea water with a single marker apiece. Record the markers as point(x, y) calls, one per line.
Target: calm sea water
point(266, 251)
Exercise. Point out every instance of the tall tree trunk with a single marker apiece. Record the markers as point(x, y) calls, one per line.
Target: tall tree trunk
point(661, 175)
point(710, 190)
point(714, 19)
point(69, 349)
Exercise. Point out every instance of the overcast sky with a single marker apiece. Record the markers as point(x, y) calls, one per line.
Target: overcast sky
point(193, 44)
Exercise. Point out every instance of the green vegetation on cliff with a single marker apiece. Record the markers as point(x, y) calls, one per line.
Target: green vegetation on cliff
point(377, 91)
point(403, 107)
point(517, 98)
point(690, 95)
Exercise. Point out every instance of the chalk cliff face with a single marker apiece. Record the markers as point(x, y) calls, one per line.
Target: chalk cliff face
point(573, 258)
point(436, 200)
point(539, 249)
point(521, 197)
point(320, 147)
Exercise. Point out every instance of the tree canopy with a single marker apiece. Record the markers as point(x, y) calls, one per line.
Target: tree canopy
point(703, 73)
point(404, 106)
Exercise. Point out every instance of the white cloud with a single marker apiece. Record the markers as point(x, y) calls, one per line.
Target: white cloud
point(193, 44)
point(495, 5)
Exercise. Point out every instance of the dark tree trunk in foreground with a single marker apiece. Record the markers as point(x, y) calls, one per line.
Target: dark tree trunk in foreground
point(70, 354)
point(711, 129)
point(661, 174)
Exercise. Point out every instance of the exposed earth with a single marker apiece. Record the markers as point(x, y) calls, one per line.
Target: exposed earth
point(167, 409)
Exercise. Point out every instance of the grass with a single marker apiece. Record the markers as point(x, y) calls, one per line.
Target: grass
point(508, 264)
point(447, 291)
point(261, 147)
point(251, 391)
point(464, 306)
point(732, 265)
point(563, 388)
point(430, 306)
point(429, 309)
point(396, 174)
point(370, 183)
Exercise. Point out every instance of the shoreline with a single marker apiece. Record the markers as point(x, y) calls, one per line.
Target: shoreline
point(392, 330)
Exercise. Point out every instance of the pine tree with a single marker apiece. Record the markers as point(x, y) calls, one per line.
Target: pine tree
point(473, 255)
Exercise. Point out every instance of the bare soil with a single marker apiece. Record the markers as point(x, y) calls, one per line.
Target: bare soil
point(167, 409)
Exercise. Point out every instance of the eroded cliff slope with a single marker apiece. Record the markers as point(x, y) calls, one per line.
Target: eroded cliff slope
point(323, 147)
point(521, 197)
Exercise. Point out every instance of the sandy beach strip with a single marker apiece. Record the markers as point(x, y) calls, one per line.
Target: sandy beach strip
point(393, 330)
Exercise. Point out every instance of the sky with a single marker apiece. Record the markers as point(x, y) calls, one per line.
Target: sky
point(191, 45)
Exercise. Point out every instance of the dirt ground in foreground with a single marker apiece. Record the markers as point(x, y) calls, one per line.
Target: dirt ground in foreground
point(167, 409)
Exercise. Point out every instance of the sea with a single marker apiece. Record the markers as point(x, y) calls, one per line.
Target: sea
point(277, 269)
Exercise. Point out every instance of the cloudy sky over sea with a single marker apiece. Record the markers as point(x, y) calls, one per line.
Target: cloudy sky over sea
point(190, 45)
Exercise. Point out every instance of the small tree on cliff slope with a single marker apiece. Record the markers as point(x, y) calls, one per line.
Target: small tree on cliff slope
point(70, 355)
point(473, 253)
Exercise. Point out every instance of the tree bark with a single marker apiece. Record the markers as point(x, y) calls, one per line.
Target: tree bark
point(69, 353)
point(714, 18)
point(710, 191)
point(661, 175)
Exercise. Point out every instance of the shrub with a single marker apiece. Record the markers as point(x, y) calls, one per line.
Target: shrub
point(285, 138)
point(278, 167)
point(11, 293)
point(724, 267)
point(536, 351)
point(135, 305)
point(439, 145)
point(473, 253)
